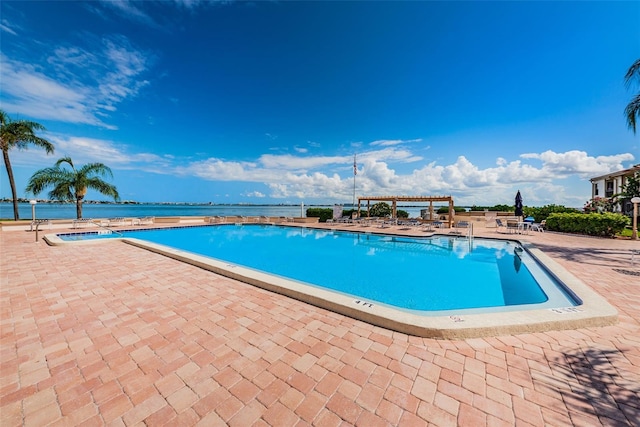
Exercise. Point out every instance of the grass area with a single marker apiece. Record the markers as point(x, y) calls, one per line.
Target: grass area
point(627, 232)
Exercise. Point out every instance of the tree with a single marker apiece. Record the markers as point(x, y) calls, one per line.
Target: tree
point(72, 184)
point(380, 210)
point(19, 134)
point(632, 188)
point(632, 112)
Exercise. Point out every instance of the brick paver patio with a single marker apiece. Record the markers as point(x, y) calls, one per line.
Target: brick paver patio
point(111, 334)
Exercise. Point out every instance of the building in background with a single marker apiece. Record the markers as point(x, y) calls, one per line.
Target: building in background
point(611, 184)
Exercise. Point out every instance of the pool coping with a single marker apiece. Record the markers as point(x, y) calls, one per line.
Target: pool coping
point(594, 310)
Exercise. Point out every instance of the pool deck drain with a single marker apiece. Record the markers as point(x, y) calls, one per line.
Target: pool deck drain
point(110, 334)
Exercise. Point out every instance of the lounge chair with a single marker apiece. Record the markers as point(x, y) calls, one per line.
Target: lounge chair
point(146, 220)
point(344, 219)
point(539, 226)
point(406, 225)
point(500, 224)
point(513, 226)
point(77, 223)
point(116, 221)
point(460, 226)
point(426, 226)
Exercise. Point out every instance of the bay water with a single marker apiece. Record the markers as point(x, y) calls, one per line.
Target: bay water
point(113, 210)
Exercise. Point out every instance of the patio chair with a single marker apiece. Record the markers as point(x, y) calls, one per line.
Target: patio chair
point(77, 223)
point(116, 221)
point(539, 226)
point(500, 224)
point(459, 227)
point(146, 220)
point(513, 226)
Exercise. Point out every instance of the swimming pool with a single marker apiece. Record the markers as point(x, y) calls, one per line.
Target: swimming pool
point(428, 274)
point(367, 274)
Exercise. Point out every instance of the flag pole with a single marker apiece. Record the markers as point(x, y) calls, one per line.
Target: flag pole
point(355, 172)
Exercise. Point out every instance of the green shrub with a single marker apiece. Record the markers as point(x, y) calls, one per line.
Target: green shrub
point(402, 214)
point(542, 213)
point(606, 224)
point(323, 213)
point(381, 210)
point(496, 208)
point(349, 212)
point(445, 209)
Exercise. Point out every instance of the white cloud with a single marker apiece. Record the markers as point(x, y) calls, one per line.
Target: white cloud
point(7, 27)
point(386, 142)
point(89, 150)
point(578, 163)
point(389, 154)
point(29, 92)
point(329, 179)
point(290, 162)
point(392, 142)
point(79, 86)
point(130, 10)
point(256, 194)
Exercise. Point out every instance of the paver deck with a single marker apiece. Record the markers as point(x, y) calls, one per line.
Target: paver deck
point(111, 334)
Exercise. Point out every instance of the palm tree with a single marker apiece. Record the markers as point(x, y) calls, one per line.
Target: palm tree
point(18, 134)
point(632, 112)
point(72, 184)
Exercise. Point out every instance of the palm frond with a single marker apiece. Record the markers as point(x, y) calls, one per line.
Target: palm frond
point(72, 184)
point(103, 187)
point(633, 73)
point(62, 191)
point(4, 118)
point(99, 169)
point(67, 160)
point(632, 112)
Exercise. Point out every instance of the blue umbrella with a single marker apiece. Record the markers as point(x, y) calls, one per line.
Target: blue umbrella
point(518, 204)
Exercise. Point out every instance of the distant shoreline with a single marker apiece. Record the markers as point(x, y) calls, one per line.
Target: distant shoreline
point(127, 203)
point(130, 202)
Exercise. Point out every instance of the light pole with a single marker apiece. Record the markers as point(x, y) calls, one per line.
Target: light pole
point(634, 233)
point(33, 204)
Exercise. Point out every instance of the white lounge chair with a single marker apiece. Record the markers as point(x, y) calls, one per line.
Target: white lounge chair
point(539, 226)
point(77, 223)
point(146, 220)
point(116, 221)
point(513, 226)
point(459, 227)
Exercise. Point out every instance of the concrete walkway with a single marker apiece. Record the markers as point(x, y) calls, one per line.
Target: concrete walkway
point(110, 334)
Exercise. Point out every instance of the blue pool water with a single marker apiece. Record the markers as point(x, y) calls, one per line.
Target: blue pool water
point(424, 274)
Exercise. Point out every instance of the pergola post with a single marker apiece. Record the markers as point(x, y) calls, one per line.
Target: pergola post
point(394, 201)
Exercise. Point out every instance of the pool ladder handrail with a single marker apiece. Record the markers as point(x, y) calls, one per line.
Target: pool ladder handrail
point(108, 229)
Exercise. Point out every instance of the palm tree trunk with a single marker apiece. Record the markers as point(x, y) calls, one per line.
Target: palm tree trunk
point(79, 207)
point(12, 183)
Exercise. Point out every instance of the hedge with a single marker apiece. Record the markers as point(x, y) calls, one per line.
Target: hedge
point(323, 213)
point(542, 213)
point(594, 224)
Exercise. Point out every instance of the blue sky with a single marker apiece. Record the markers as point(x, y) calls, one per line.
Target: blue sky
point(267, 102)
